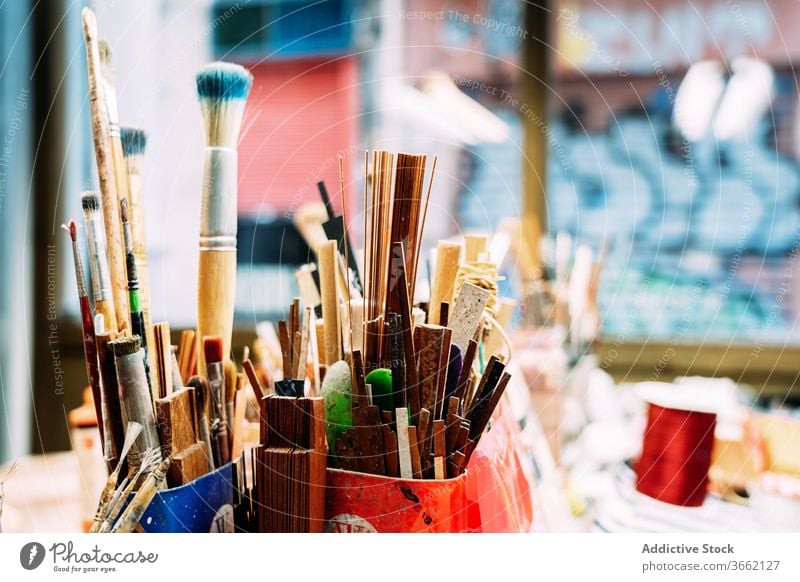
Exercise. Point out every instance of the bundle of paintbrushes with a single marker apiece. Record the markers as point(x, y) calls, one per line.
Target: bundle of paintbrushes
point(404, 390)
point(407, 393)
point(167, 414)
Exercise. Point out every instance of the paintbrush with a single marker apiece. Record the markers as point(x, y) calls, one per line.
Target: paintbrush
point(114, 427)
point(114, 132)
point(229, 391)
point(215, 372)
point(201, 402)
point(135, 398)
point(222, 90)
point(132, 433)
point(141, 501)
point(134, 300)
point(87, 322)
point(105, 170)
point(98, 260)
point(122, 495)
point(133, 143)
point(212, 350)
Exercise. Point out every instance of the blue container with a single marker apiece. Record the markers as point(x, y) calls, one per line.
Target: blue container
point(203, 506)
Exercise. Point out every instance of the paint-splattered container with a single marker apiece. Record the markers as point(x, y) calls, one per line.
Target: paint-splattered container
point(493, 495)
point(358, 502)
point(202, 506)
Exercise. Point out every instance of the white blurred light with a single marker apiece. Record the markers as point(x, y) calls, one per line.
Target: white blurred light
point(747, 97)
point(697, 98)
point(441, 110)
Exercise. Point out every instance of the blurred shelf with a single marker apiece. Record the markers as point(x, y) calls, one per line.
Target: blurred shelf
point(771, 370)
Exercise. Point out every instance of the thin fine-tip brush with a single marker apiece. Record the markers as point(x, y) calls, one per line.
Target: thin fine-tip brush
point(134, 141)
point(87, 322)
point(222, 90)
point(105, 169)
point(137, 318)
point(98, 260)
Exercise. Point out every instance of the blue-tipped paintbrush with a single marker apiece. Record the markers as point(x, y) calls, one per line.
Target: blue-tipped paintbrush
point(222, 90)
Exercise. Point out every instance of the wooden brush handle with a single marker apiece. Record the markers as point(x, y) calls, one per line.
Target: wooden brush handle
point(327, 257)
point(105, 169)
point(475, 244)
point(216, 290)
point(216, 278)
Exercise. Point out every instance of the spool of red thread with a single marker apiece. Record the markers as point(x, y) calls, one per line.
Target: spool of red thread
point(676, 454)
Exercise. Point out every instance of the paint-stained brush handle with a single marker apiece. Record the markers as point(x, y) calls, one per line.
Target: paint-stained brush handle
point(105, 169)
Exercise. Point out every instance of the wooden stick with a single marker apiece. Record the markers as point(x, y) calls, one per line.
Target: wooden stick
point(307, 286)
point(413, 445)
point(444, 278)
point(423, 434)
point(390, 451)
point(398, 361)
point(433, 345)
point(286, 349)
point(474, 246)
point(330, 303)
point(407, 326)
point(302, 357)
point(444, 313)
point(105, 172)
point(452, 424)
point(175, 415)
point(404, 444)
point(439, 439)
point(483, 413)
point(252, 376)
point(359, 388)
point(463, 379)
point(438, 468)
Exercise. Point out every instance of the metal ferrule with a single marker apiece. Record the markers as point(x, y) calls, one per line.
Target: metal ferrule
point(98, 262)
point(136, 401)
point(130, 259)
point(216, 382)
point(218, 208)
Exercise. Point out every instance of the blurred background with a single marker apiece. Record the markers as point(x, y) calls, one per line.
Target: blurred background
point(661, 134)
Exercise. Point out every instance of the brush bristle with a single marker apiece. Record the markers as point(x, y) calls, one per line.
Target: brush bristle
point(72, 226)
point(212, 348)
point(90, 202)
point(222, 90)
point(134, 141)
point(223, 81)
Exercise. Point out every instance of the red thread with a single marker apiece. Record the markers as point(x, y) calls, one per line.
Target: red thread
point(676, 455)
